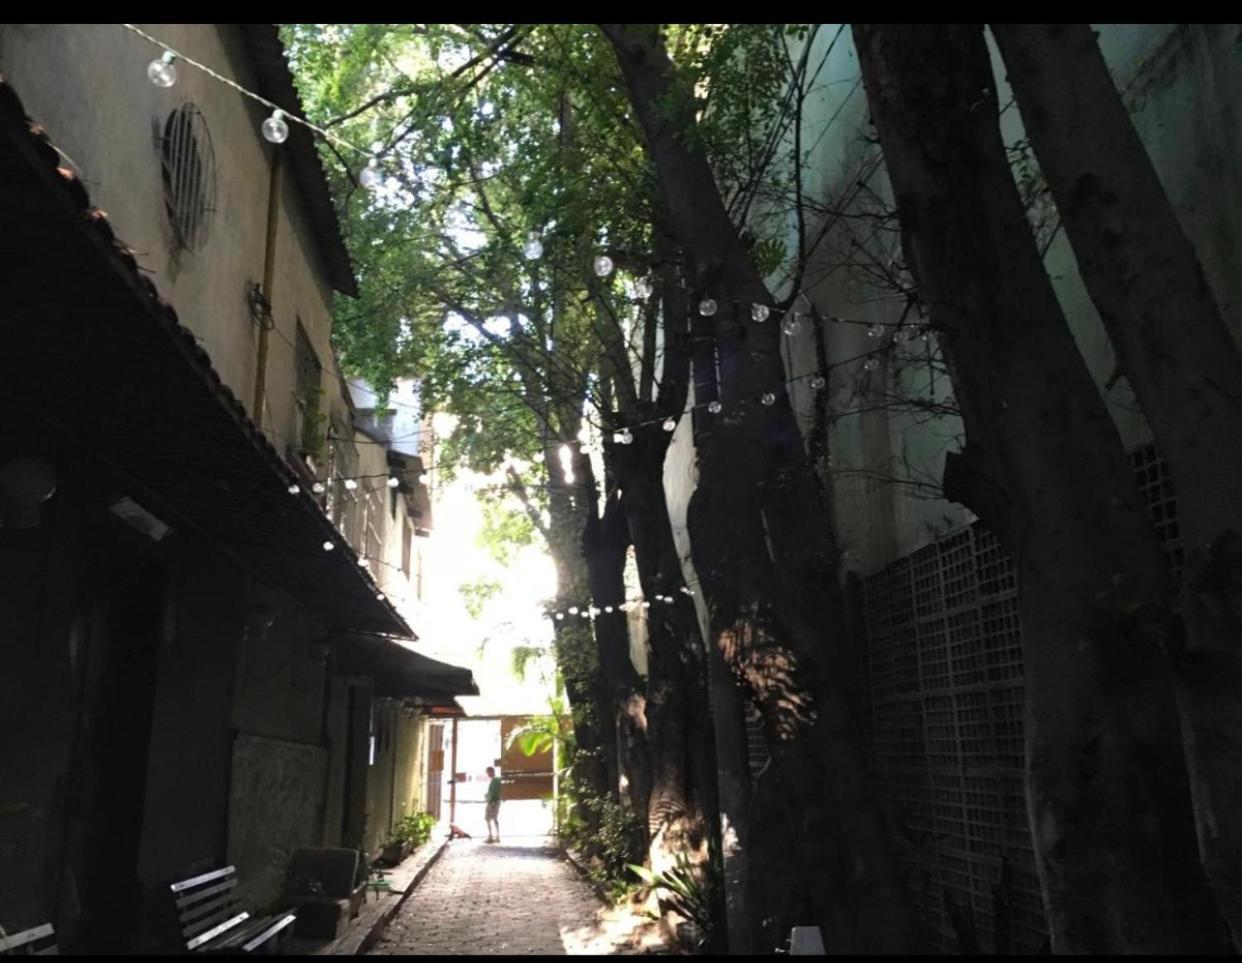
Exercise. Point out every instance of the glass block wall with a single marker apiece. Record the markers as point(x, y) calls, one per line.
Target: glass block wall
point(942, 667)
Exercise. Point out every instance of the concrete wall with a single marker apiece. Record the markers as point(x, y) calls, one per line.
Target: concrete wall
point(395, 776)
point(86, 84)
point(1182, 83)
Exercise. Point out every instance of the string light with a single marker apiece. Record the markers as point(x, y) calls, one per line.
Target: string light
point(371, 178)
point(768, 398)
point(707, 307)
point(603, 266)
point(875, 331)
point(759, 313)
point(871, 364)
point(318, 488)
point(161, 71)
point(294, 489)
point(533, 249)
point(274, 129)
point(714, 407)
point(350, 484)
point(393, 482)
point(792, 325)
point(329, 545)
point(669, 424)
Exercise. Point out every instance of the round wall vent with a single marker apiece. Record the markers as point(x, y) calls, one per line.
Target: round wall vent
point(189, 164)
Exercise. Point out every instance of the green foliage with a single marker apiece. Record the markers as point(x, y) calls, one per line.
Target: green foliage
point(415, 828)
point(689, 891)
point(475, 595)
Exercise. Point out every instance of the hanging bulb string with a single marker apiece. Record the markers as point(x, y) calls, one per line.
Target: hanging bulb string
point(247, 93)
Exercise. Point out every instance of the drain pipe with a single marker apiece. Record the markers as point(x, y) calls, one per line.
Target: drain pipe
point(269, 269)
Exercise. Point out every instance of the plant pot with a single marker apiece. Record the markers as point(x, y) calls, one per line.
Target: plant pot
point(394, 852)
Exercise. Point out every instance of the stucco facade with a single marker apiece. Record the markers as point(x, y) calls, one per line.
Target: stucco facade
point(177, 702)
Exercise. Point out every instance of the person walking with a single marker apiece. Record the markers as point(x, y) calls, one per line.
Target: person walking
point(492, 813)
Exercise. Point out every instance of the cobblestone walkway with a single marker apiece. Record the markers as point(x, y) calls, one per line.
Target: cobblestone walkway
point(517, 898)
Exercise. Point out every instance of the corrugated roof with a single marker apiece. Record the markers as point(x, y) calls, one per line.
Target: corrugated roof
point(276, 84)
point(86, 338)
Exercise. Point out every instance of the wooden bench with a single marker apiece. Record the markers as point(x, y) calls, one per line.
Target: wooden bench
point(212, 920)
point(36, 941)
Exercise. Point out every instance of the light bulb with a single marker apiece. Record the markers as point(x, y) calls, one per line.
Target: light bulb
point(714, 407)
point(275, 129)
point(532, 250)
point(875, 331)
point(363, 563)
point(903, 334)
point(768, 398)
point(646, 605)
point(585, 614)
point(670, 424)
point(328, 546)
point(560, 616)
point(371, 178)
point(668, 599)
point(871, 364)
point(759, 312)
point(573, 610)
point(350, 484)
point(623, 437)
point(161, 71)
point(394, 482)
point(707, 307)
point(317, 488)
point(792, 325)
point(380, 596)
point(608, 609)
point(818, 382)
point(603, 266)
point(294, 489)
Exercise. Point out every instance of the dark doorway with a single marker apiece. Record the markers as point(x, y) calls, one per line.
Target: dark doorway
point(118, 694)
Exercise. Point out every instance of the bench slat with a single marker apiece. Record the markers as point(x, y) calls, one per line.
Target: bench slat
point(198, 926)
point(202, 910)
point(204, 878)
point(240, 934)
point(270, 932)
point(216, 931)
point(8, 943)
point(202, 894)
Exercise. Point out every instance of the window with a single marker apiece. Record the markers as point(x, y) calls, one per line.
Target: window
point(307, 391)
point(189, 173)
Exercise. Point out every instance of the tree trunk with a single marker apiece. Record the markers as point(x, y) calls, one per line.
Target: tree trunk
point(1044, 467)
point(1185, 367)
point(576, 654)
point(604, 542)
point(843, 882)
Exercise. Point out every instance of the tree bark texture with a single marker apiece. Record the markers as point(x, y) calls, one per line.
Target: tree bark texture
point(1185, 367)
point(1044, 467)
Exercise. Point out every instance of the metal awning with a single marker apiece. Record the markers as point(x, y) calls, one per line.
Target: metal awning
point(400, 672)
point(88, 345)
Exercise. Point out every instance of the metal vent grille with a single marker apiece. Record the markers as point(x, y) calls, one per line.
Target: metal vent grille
point(943, 665)
point(189, 167)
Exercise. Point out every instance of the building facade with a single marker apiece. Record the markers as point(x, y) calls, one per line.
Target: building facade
point(205, 599)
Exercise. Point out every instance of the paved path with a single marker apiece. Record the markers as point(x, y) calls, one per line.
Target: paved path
point(517, 898)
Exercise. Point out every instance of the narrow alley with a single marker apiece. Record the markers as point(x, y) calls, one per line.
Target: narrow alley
point(515, 898)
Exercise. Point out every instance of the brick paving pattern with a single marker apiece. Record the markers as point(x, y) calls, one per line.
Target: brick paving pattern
point(517, 898)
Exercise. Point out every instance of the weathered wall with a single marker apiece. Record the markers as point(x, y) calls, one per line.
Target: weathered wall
point(87, 84)
point(274, 808)
point(1183, 84)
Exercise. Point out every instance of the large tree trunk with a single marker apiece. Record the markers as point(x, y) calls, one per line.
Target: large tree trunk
point(823, 873)
point(1044, 467)
point(1185, 367)
point(574, 642)
point(604, 544)
point(680, 808)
